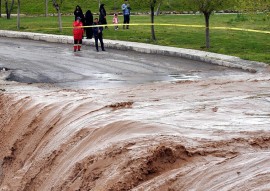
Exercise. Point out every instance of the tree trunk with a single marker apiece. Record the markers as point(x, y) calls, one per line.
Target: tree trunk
point(6, 6)
point(207, 30)
point(57, 7)
point(0, 8)
point(152, 22)
point(8, 11)
point(18, 15)
point(46, 8)
point(59, 20)
point(158, 9)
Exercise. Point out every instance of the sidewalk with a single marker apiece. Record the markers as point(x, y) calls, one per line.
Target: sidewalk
point(213, 58)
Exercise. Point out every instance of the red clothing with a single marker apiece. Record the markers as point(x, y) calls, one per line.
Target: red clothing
point(78, 30)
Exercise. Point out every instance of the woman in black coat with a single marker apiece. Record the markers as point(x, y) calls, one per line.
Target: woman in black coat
point(102, 15)
point(88, 22)
point(78, 13)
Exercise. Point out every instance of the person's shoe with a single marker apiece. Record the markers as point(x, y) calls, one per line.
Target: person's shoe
point(74, 50)
point(103, 49)
point(97, 50)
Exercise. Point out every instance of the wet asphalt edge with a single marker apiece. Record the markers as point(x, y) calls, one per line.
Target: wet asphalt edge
point(203, 56)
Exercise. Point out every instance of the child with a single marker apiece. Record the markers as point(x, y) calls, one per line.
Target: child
point(77, 34)
point(115, 21)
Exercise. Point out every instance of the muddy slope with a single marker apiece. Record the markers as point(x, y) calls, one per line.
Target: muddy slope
point(148, 137)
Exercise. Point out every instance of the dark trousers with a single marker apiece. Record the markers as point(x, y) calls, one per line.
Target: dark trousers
point(126, 21)
point(78, 41)
point(100, 38)
point(89, 33)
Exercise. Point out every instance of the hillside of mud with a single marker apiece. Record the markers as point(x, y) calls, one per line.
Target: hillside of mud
point(185, 135)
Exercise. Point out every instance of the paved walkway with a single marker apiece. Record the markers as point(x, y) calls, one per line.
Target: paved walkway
point(213, 58)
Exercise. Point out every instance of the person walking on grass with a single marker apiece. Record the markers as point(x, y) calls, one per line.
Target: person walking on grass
point(126, 13)
point(97, 31)
point(77, 34)
point(115, 21)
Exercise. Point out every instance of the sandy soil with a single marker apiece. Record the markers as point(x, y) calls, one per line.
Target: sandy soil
point(183, 135)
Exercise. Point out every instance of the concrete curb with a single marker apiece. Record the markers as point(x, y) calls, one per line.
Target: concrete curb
point(213, 58)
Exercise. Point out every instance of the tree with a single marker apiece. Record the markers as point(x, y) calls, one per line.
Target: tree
point(18, 15)
point(151, 4)
point(253, 6)
point(152, 8)
point(46, 8)
point(158, 8)
point(57, 7)
point(0, 8)
point(207, 7)
point(8, 10)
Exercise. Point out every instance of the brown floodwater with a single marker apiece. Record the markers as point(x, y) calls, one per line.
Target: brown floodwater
point(176, 126)
point(185, 135)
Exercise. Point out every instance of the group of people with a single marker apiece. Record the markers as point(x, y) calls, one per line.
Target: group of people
point(86, 24)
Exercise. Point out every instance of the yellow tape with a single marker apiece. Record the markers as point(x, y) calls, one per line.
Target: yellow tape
point(175, 25)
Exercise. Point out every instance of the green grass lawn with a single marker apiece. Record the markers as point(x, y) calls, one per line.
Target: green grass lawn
point(246, 45)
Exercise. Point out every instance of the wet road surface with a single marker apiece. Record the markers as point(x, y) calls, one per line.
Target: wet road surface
point(43, 62)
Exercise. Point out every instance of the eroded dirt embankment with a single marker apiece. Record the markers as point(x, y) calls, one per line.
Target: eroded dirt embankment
point(136, 138)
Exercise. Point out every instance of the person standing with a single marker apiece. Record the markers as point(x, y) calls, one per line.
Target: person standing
point(78, 13)
point(102, 15)
point(77, 34)
point(126, 13)
point(115, 21)
point(88, 22)
point(97, 31)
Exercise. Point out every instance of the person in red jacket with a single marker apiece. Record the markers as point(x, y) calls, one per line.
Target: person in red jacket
point(77, 34)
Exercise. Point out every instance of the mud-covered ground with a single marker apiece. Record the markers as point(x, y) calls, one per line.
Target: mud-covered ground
point(129, 123)
point(210, 134)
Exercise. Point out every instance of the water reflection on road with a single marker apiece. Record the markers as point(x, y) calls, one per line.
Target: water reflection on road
point(42, 62)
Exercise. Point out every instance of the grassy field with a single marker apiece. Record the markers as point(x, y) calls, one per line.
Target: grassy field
point(246, 45)
point(31, 7)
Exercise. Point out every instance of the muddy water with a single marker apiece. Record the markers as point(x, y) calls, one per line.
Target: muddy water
point(179, 135)
point(133, 125)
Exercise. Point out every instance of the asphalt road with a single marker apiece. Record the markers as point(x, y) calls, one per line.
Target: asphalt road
point(43, 62)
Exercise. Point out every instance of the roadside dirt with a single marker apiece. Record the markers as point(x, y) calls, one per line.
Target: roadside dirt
point(182, 135)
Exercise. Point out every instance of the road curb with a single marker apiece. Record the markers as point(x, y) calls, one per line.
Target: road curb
point(203, 56)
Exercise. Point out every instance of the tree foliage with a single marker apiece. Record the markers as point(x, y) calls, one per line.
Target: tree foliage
point(252, 6)
point(207, 7)
point(151, 4)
